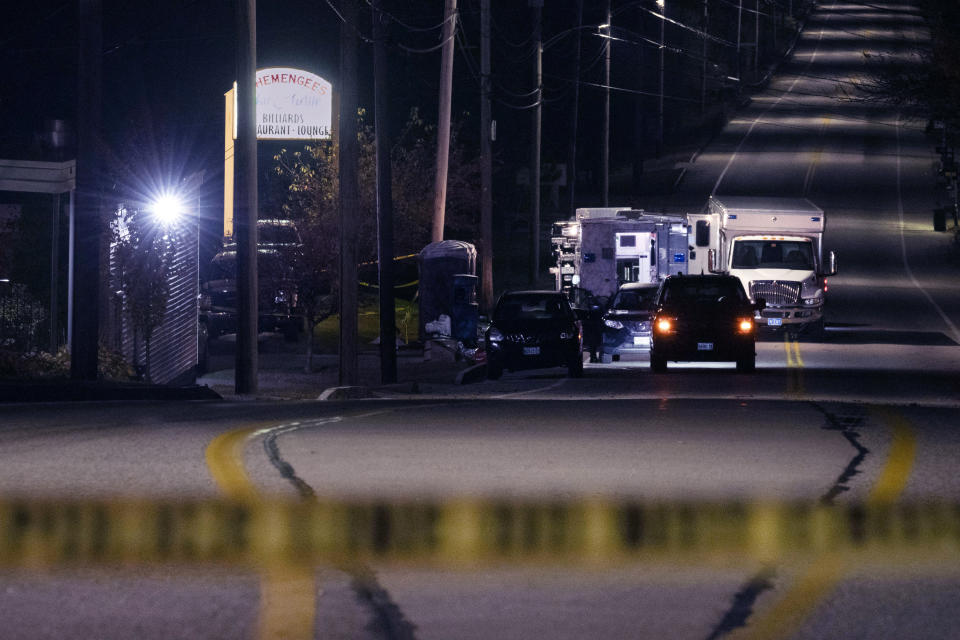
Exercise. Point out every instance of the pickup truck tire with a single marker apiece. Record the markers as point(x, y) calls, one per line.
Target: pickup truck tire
point(747, 364)
point(814, 329)
point(658, 364)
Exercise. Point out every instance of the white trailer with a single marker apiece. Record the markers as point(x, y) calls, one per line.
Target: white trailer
point(775, 247)
point(603, 248)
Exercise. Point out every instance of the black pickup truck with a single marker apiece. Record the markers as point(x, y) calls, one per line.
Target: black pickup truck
point(278, 250)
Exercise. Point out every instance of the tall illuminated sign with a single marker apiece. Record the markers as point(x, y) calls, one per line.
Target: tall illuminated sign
point(292, 104)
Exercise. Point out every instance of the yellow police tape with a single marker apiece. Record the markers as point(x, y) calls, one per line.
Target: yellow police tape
point(465, 533)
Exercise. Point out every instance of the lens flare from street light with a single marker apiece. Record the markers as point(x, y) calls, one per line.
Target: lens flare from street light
point(167, 209)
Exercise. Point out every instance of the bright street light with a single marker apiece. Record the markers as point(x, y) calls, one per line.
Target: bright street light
point(166, 209)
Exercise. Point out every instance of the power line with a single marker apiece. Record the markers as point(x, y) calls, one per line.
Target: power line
point(412, 28)
point(638, 92)
point(429, 49)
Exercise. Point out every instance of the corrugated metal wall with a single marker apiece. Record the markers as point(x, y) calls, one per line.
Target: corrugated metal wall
point(174, 343)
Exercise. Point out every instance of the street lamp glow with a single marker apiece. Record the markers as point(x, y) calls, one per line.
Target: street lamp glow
point(167, 209)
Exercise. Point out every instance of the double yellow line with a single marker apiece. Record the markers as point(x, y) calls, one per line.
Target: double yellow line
point(820, 578)
point(795, 365)
point(287, 594)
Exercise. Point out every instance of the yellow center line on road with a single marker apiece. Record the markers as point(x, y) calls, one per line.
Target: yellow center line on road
point(903, 449)
point(225, 461)
point(287, 594)
point(819, 579)
point(795, 364)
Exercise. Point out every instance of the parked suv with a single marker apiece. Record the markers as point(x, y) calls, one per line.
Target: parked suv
point(626, 321)
point(534, 329)
point(704, 318)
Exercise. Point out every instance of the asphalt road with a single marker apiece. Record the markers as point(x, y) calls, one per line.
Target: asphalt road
point(866, 416)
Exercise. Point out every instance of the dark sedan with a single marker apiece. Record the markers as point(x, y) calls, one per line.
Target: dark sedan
point(703, 318)
point(533, 329)
point(626, 322)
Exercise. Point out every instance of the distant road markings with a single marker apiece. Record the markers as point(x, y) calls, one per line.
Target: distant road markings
point(529, 391)
point(812, 169)
point(288, 593)
point(736, 152)
point(825, 572)
point(903, 250)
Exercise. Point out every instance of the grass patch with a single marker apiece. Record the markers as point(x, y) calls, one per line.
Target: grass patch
point(327, 333)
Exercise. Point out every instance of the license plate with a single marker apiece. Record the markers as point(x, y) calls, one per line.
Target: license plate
point(704, 346)
point(774, 322)
point(641, 341)
point(531, 351)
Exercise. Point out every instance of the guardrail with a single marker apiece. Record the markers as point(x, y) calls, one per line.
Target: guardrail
point(465, 533)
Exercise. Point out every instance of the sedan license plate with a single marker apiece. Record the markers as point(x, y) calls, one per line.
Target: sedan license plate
point(774, 322)
point(641, 341)
point(704, 346)
point(531, 351)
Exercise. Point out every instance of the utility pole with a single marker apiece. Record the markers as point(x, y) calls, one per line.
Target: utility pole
point(639, 112)
point(84, 348)
point(388, 321)
point(739, 26)
point(574, 119)
point(245, 204)
point(773, 27)
point(756, 41)
point(349, 195)
point(55, 274)
point(486, 165)
point(663, 8)
point(605, 149)
point(443, 121)
point(535, 150)
point(703, 73)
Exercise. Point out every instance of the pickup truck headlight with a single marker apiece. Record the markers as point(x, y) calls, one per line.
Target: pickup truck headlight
point(814, 301)
point(494, 335)
point(663, 325)
point(613, 324)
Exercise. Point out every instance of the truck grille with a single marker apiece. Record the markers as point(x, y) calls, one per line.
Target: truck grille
point(776, 293)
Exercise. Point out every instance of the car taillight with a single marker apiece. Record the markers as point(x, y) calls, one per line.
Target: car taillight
point(825, 287)
point(664, 325)
point(745, 325)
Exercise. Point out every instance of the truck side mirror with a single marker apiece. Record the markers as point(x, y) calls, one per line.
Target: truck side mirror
point(712, 261)
point(830, 268)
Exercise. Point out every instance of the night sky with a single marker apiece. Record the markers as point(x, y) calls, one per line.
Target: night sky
point(167, 63)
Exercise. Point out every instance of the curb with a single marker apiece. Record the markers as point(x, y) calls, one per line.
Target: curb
point(476, 373)
point(100, 391)
point(346, 393)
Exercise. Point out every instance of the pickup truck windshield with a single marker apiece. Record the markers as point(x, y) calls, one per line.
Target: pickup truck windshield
point(772, 254)
point(696, 290)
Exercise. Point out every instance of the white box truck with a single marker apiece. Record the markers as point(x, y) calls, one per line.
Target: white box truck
point(775, 246)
